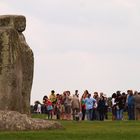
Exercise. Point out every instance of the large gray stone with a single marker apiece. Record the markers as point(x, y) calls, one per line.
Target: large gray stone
point(16, 65)
point(14, 121)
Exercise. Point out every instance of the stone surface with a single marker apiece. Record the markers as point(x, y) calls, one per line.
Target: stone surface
point(16, 65)
point(14, 121)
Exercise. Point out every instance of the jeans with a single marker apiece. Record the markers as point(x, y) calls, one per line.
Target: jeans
point(95, 114)
point(131, 114)
point(89, 113)
point(119, 114)
point(101, 114)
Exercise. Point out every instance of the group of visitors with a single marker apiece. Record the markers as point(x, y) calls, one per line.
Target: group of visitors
point(129, 102)
point(89, 107)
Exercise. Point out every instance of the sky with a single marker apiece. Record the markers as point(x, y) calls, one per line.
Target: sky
point(81, 44)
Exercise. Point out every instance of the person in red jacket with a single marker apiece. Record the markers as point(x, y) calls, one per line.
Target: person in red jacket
point(49, 106)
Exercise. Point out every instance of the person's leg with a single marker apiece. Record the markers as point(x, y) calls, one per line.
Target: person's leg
point(91, 112)
point(102, 115)
point(97, 114)
point(106, 113)
point(83, 113)
point(133, 113)
point(77, 114)
point(93, 115)
point(88, 114)
point(58, 114)
point(66, 112)
point(48, 114)
point(69, 112)
point(121, 114)
point(113, 113)
point(118, 114)
point(62, 112)
point(138, 113)
point(51, 113)
point(129, 112)
point(73, 113)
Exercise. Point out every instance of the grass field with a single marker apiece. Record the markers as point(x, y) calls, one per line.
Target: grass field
point(86, 130)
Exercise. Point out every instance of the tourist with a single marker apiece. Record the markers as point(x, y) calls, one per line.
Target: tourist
point(49, 106)
point(62, 109)
point(43, 107)
point(35, 107)
point(83, 104)
point(38, 107)
point(95, 110)
point(52, 97)
point(130, 104)
point(119, 105)
point(89, 102)
point(75, 104)
point(106, 107)
point(58, 107)
point(137, 106)
point(101, 108)
point(67, 104)
point(114, 114)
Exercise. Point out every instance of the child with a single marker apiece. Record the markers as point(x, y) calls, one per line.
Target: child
point(49, 108)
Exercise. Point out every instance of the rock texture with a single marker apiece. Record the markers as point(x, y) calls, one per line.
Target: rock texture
point(14, 121)
point(16, 65)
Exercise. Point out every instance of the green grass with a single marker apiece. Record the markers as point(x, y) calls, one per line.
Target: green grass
point(86, 130)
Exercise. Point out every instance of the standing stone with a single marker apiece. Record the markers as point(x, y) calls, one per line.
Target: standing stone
point(16, 65)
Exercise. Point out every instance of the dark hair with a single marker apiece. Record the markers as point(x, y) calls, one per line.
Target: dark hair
point(52, 91)
point(114, 95)
point(118, 94)
point(45, 97)
point(76, 91)
point(89, 95)
point(123, 94)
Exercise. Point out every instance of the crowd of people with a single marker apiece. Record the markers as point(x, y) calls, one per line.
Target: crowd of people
point(90, 107)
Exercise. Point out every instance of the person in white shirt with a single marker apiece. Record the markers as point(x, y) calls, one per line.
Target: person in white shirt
point(113, 106)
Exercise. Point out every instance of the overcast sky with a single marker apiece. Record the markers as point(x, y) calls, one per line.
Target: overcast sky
point(81, 44)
